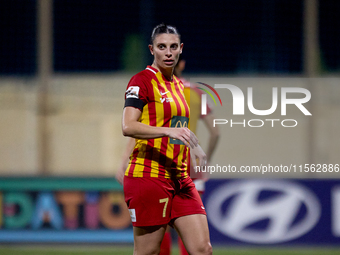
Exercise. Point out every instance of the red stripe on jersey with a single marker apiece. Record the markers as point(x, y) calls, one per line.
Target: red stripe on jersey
point(164, 161)
point(176, 151)
point(148, 158)
point(178, 106)
point(180, 87)
point(150, 145)
point(133, 161)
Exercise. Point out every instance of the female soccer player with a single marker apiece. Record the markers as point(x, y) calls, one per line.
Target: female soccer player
point(157, 188)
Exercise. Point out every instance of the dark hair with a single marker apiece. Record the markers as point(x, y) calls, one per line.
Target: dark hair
point(163, 29)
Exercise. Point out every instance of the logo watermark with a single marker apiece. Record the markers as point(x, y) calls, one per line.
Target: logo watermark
point(269, 168)
point(238, 108)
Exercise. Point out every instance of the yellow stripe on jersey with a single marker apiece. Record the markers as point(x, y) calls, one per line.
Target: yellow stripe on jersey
point(173, 87)
point(170, 147)
point(183, 111)
point(187, 100)
point(141, 144)
point(185, 92)
point(159, 123)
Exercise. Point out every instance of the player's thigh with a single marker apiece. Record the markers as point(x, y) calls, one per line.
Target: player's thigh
point(149, 201)
point(189, 219)
point(194, 232)
point(147, 240)
point(187, 200)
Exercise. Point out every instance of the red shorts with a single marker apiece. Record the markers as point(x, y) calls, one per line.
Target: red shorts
point(154, 201)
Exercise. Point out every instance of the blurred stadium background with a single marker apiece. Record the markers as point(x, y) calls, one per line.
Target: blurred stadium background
point(64, 67)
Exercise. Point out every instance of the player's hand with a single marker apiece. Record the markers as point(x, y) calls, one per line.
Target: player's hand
point(198, 156)
point(206, 175)
point(185, 135)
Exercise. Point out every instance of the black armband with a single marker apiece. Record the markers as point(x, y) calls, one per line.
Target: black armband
point(134, 102)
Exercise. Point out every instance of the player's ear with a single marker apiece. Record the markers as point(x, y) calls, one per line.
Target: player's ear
point(151, 49)
point(181, 47)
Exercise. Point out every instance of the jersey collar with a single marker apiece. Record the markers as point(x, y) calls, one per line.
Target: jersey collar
point(152, 69)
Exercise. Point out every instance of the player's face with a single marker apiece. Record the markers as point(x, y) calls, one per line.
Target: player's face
point(166, 49)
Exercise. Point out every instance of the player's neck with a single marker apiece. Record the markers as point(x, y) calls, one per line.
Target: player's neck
point(167, 73)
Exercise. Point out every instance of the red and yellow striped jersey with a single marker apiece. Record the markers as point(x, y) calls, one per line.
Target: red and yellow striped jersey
point(163, 104)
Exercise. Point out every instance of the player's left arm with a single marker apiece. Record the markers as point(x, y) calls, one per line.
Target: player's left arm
point(198, 156)
point(214, 134)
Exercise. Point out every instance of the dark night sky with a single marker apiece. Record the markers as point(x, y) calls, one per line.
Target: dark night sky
point(245, 36)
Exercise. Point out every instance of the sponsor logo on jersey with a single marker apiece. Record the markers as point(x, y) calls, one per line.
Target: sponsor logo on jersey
point(178, 122)
point(132, 92)
point(164, 98)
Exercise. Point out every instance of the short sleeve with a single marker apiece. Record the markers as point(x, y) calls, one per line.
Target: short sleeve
point(136, 93)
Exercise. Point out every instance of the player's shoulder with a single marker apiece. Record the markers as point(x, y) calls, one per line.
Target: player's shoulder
point(144, 76)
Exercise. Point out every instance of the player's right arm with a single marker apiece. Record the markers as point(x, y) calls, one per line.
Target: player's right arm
point(213, 134)
point(133, 128)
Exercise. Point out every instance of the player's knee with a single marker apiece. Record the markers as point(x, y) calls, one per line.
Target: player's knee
point(204, 248)
point(209, 249)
